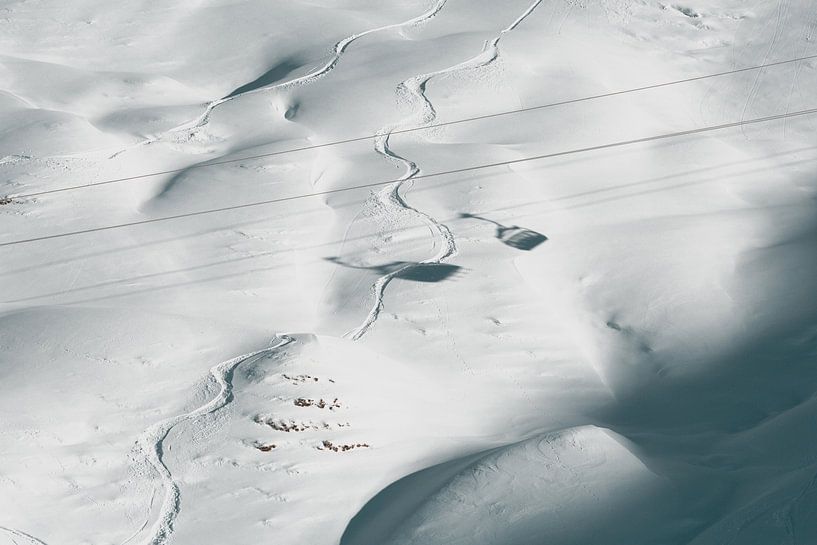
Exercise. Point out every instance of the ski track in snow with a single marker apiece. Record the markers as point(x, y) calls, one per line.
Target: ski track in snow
point(413, 90)
point(145, 523)
point(338, 50)
point(151, 441)
point(18, 533)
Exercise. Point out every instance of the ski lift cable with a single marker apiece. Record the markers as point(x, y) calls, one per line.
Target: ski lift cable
point(409, 129)
point(418, 177)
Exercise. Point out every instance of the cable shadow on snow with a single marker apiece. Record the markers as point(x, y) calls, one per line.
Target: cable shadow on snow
point(677, 175)
point(518, 209)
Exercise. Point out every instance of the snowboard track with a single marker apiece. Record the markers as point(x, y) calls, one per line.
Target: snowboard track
point(413, 91)
point(337, 52)
point(150, 443)
point(19, 533)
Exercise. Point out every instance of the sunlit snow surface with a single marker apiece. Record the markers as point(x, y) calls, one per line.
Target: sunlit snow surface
point(611, 347)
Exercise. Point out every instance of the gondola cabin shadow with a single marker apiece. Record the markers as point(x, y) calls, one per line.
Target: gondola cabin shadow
point(513, 235)
point(412, 271)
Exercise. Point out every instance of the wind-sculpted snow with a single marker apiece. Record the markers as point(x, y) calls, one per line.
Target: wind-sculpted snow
point(612, 344)
point(337, 53)
point(338, 50)
point(543, 489)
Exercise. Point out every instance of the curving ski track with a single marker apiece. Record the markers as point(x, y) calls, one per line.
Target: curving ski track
point(150, 442)
point(413, 91)
point(18, 533)
point(337, 52)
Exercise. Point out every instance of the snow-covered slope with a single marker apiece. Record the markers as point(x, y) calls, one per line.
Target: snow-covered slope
point(617, 346)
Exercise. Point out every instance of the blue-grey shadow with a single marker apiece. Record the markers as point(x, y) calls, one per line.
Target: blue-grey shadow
point(413, 271)
point(512, 235)
point(271, 76)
